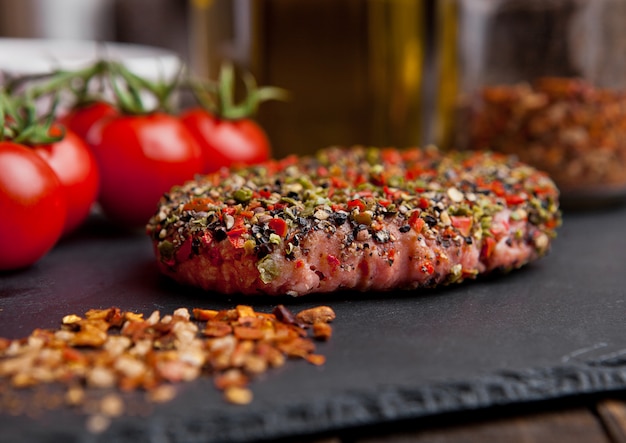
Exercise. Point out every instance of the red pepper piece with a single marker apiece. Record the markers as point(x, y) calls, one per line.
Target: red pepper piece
point(428, 268)
point(498, 188)
point(235, 235)
point(515, 199)
point(390, 156)
point(462, 223)
point(279, 226)
point(356, 203)
point(489, 244)
point(333, 261)
point(198, 204)
point(416, 222)
point(338, 182)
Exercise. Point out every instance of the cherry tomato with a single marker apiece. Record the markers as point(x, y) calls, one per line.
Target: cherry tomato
point(81, 118)
point(226, 142)
point(140, 157)
point(75, 166)
point(32, 204)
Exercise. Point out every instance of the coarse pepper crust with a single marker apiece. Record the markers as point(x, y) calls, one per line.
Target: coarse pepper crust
point(358, 218)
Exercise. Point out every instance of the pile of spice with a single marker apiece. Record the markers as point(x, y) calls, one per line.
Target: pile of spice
point(110, 350)
point(564, 126)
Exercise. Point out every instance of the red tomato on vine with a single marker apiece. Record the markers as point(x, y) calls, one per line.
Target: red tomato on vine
point(76, 167)
point(32, 204)
point(225, 131)
point(83, 117)
point(140, 157)
point(142, 153)
point(224, 142)
point(48, 181)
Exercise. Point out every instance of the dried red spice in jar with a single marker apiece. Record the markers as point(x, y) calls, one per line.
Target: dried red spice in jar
point(565, 126)
point(541, 79)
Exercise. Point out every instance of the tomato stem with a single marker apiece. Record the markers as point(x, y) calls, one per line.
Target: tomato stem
point(20, 121)
point(219, 97)
point(57, 80)
point(131, 92)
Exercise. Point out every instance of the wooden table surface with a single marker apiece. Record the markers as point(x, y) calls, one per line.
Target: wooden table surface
point(595, 420)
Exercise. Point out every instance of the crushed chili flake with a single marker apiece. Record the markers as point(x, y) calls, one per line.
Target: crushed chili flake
point(319, 314)
point(322, 331)
point(108, 349)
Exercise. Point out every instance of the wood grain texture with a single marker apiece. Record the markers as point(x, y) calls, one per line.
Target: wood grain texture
point(575, 425)
point(613, 415)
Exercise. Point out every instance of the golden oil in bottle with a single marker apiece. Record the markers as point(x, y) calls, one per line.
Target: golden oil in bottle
point(353, 68)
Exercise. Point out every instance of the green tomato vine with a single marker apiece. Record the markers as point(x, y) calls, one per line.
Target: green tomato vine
point(22, 121)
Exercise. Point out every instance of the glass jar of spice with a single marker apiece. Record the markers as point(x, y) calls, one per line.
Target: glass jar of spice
point(544, 80)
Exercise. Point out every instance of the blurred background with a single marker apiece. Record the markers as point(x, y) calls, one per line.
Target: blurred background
point(396, 72)
point(355, 69)
point(160, 23)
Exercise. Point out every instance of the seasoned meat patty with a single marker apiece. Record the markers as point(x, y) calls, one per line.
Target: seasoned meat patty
point(355, 218)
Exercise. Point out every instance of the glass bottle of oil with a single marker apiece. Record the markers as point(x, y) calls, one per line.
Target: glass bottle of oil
point(354, 68)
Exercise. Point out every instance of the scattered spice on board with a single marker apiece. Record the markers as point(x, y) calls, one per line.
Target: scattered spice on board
point(566, 127)
point(112, 351)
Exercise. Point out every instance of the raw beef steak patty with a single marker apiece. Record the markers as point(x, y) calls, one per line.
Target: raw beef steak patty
point(355, 218)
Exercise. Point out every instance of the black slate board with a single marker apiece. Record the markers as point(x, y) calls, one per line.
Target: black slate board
point(552, 330)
